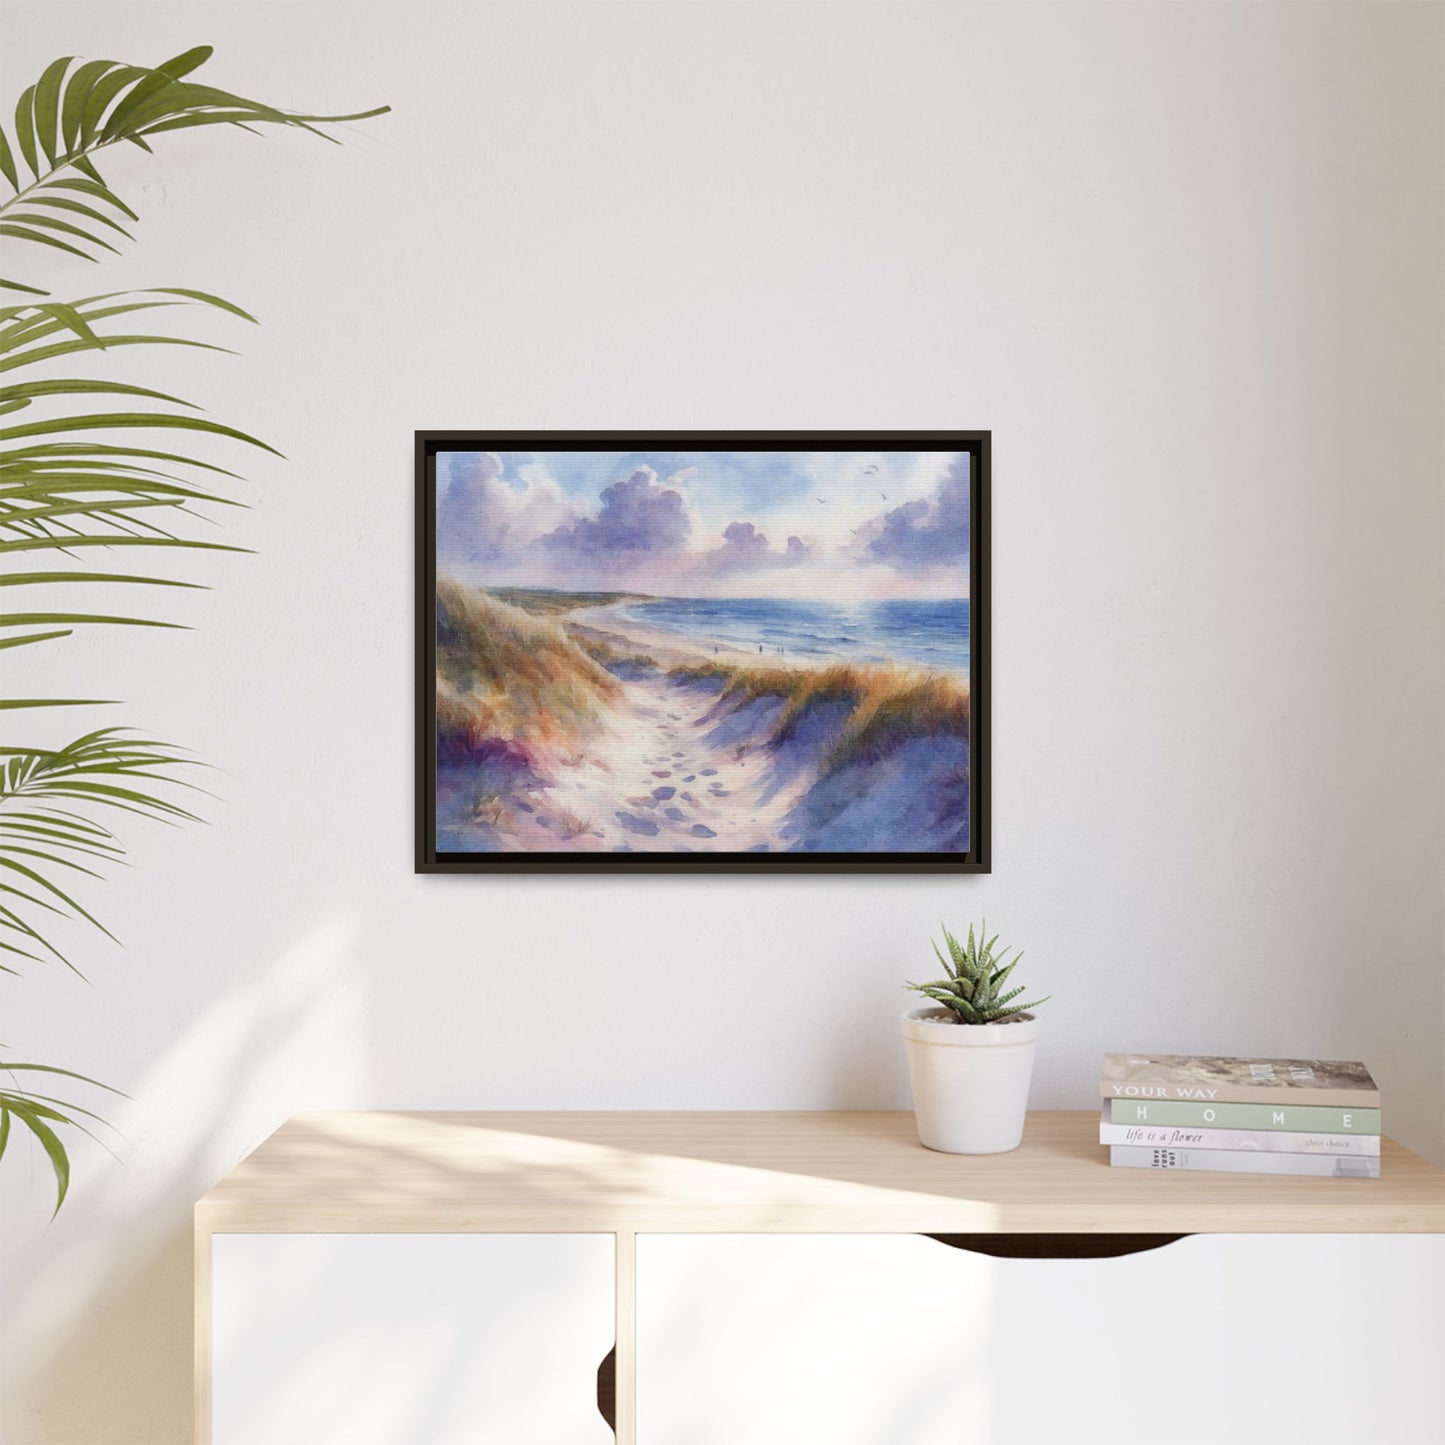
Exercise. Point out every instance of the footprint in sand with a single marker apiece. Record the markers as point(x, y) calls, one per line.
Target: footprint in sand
point(690, 778)
point(644, 827)
point(701, 830)
point(687, 798)
point(663, 794)
point(676, 814)
point(664, 773)
point(708, 772)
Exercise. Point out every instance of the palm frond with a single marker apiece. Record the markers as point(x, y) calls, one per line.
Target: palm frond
point(63, 491)
point(75, 111)
point(40, 1113)
point(109, 768)
point(74, 482)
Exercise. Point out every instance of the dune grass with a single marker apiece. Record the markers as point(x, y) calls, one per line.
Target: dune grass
point(887, 704)
point(512, 676)
point(521, 677)
point(898, 709)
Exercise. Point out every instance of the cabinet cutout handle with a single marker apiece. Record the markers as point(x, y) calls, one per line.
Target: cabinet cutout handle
point(1056, 1246)
point(607, 1389)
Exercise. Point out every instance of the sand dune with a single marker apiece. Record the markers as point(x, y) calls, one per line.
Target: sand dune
point(655, 742)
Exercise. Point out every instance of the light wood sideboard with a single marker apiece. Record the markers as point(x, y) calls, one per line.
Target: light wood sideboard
point(402, 1273)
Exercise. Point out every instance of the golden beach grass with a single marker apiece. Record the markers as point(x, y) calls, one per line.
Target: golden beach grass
point(523, 677)
point(508, 674)
point(887, 703)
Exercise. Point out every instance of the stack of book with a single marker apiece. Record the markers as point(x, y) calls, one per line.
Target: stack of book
point(1242, 1116)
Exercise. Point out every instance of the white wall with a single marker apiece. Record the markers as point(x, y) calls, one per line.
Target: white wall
point(1184, 260)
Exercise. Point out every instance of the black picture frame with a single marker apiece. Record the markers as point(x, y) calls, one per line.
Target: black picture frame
point(978, 857)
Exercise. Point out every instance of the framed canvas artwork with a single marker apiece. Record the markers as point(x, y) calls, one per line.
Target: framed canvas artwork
point(682, 651)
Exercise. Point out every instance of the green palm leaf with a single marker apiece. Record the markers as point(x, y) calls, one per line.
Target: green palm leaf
point(28, 391)
point(39, 1113)
point(69, 116)
point(109, 768)
point(71, 482)
point(30, 1114)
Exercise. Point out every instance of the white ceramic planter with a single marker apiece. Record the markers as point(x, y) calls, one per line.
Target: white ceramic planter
point(970, 1081)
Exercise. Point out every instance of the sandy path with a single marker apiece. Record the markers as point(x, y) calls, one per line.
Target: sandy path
point(670, 769)
point(662, 777)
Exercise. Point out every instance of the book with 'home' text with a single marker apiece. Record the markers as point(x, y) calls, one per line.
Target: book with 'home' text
point(1302, 1118)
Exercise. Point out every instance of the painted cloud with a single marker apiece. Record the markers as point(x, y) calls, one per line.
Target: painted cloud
point(639, 518)
point(745, 549)
point(482, 518)
point(878, 524)
point(926, 530)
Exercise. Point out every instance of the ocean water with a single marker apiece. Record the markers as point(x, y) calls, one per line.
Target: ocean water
point(932, 633)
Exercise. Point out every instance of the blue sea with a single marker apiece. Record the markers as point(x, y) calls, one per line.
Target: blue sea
point(932, 633)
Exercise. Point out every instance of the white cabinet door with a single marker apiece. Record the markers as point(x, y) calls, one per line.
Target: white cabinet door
point(400, 1339)
point(900, 1340)
point(806, 1340)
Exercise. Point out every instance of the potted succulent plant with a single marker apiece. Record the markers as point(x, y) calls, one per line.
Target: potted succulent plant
point(971, 1057)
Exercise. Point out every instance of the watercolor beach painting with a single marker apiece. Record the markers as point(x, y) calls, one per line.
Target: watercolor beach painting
point(651, 650)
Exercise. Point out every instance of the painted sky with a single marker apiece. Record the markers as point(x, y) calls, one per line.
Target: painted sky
point(708, 524)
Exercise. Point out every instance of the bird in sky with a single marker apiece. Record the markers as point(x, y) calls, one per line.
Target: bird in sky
point(869, 471)
point(884, 495)
point(822, 501)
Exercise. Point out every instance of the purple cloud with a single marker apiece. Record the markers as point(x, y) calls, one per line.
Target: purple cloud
point(744, 547)
point(481, 518)
point(638, 519)
point(467, 524)
point(927, 531)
